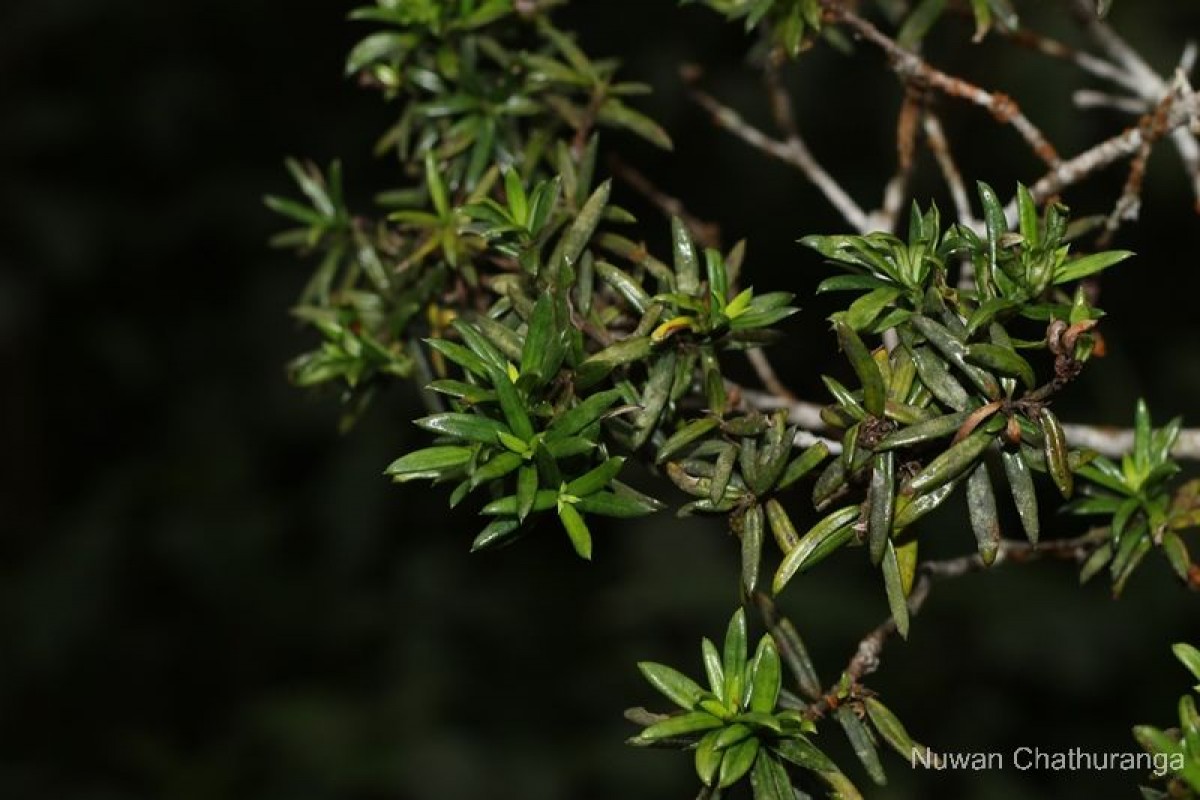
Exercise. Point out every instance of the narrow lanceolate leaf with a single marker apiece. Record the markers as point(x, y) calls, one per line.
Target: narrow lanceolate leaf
point(1189, 656)
point(685, 436)
point(464, 426)
point(864, 310)
point(581, 230)
point(874, 391)
point(527, 486)
point(955, 352)
point(860, 740)
point(734, 660)
point(770, 780)
point(881, 497)
point(737, 762)
point(1057, 456)
point(498, 532)
point(752, 542)
point(513, 407)
point(938, 380)
point(804, 754)
point(1003, 360)
point(596, 367)
point(596, 479)
point(894, 586)
point(781, 527)
point(1089, 265)
point(708, 758)
point(577, 530)
point(687, 266)
point(890, 728)
point(922, 432)
point(803, 464)
point(624, 505)
point(1028, 216)
point(993, 211)
point(581, 416)
point(432, 462)
point(791, 647)
point(682, 725)
point(951, 464)
point(672, 684)
point(826, 536)
point(909, 510)
point(1020, 481)
point(713, 668)
point(765, 676)
point(985, 520)
point(655, 397)
point(538, 338)
point(625, 285)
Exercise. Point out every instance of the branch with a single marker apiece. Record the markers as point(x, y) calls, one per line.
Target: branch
point(792, 151)
point(913, 69)
point(707, 234)
point(867, 655)
point(1107, 441)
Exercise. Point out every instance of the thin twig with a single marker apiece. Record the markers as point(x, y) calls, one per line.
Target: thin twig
point(1111, 442)
point(913, 69)
point(935, 136)
point(870, 647)
point(793, 151)
point(708, 234)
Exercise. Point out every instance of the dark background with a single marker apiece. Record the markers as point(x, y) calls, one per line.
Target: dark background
point(206, 592)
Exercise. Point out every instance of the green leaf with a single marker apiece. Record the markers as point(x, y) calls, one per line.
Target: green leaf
point(708, 758)
point(922, 432)
point(734, 659)
point(881, 495)
point(822, 539)
point(544, 500)
point(464, 426)
point(781, 526)
point(860, 740)
point(597, 366)
point(1003, 360)
point(432, 462)
point(770, 780)
point(952, 463)
point(874, 391)
point(890, 728)
point(737, 762)
point(1028, 216)
point(685, 436)
point(577, 236)
point(713, 668)
point(1089, 265)
point(803, 464)
point(622, 506)
point(993, 211)
point(655, 397)
point(752, 542)
point(1057, 456)
point(765, 676)
point(527, 487)
point(1188, 656)
point(581, 416)
point(672, 684)
point(803, 753)
point(577, 530)
point(538, 339)
point(614, 112)
point(937, 379)
point(596, 479)
point(955, 352)
point(433, 181)
point(497, 533)
point(894, 586)
point(682, 725)
point(985, 519)
point(864, 310)
point(1020, 481)
point(513, 407)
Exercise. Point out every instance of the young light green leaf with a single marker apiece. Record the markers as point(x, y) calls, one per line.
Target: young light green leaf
point(672, 684)
point(737, 762)
point(765, 676)
point(432, 462)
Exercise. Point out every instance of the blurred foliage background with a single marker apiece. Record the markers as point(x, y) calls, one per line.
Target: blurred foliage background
point(206, 592)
